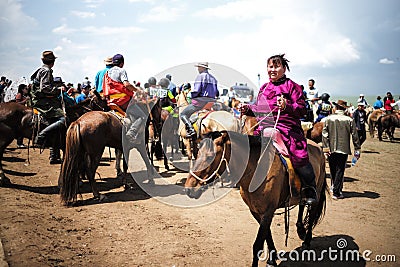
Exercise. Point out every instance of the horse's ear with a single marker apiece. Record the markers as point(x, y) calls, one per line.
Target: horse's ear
point(225, 136)
point(96, 94)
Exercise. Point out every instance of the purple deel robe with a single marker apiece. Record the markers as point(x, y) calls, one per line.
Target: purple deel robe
point(289, 120)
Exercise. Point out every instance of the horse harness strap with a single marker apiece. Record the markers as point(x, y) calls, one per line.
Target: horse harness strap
point(215, 173)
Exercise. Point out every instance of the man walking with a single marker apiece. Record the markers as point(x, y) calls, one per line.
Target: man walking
point(336, 134)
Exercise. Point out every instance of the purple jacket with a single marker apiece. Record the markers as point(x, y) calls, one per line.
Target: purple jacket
point(205, 85)
point(289, 123)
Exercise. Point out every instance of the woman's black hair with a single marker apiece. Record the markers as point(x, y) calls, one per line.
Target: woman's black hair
point(280, 59)
point(21, 87)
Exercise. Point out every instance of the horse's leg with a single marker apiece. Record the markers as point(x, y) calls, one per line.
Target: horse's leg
point(92, 163)
point(264, 234)
point(164, 148)
point(301, 231)
point(118, 157)
point(142, 150)
point(7, 138)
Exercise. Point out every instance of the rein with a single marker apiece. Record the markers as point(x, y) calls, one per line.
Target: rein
point(215, 173)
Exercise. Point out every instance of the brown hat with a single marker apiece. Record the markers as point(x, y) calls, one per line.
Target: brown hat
point(108, 60)
point(341, 103)
point(48, 55)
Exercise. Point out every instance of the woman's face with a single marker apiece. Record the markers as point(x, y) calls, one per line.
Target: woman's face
point(275, 71)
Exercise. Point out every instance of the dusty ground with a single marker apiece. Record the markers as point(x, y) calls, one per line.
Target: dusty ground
point(132, 229)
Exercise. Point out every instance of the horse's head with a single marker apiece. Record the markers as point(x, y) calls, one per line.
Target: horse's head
point(211, 162)
point(97, 102)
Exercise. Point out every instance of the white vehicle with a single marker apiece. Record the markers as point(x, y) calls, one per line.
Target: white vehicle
point(241, 91)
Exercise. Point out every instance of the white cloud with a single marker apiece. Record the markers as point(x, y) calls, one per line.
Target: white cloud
point(63, 29)
point(93, 3)
point(161, 13)
point(82, 14)
point(386, 61)
point(99, 31)
point(240, 10)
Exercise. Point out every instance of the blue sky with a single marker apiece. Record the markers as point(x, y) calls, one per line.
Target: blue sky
point(347, 46)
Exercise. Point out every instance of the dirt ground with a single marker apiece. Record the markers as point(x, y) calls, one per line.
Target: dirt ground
point(133, 229)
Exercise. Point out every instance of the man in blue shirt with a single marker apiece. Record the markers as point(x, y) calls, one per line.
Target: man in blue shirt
point(378, 103)
point(98, 80)
point(84, 95)
point(205, 90)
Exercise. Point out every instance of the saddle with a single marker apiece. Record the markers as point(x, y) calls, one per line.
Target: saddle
point(294, 179)
point(116, 109)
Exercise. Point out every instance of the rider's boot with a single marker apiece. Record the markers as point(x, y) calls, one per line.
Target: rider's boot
point(307, 177)
point(190, 131)
point(135, 129)
point(41, 137)
point(55, 157)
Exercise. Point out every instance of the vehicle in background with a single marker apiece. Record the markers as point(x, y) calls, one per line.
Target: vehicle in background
point(241, 91)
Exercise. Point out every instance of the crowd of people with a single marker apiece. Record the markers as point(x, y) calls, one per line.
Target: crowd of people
point(289, 102)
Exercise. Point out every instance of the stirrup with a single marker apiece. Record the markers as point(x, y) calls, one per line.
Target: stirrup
point(309, 200)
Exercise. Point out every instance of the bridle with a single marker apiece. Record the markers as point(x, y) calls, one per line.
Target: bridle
point(216, 172)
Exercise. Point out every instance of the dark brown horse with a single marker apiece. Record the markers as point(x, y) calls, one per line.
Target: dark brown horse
point(241, 154)
point(388, 124)
point(17, 120)
point(86, 139)
point(315, 133)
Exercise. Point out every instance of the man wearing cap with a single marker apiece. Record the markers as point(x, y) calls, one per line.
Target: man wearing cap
point(205, 90)
point(98, 80)
point(362, 100)
point(84, 93)
point(45, 98)
point(336, 133)
point(360, 117)
point(118, 90)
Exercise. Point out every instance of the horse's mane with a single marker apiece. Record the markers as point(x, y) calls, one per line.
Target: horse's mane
point(253, 140)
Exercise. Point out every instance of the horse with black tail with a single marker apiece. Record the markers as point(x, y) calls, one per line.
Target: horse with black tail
point(86, 139)
point(239, 155)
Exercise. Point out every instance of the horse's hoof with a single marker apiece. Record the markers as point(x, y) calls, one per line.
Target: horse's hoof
point(305, 245)
point(4, 181)
point(271, 263)
point(102, 198)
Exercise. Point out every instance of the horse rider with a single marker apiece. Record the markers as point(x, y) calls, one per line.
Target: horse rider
point(205, 90)
point(119, 91)
point(325, 108)
point(45, 98)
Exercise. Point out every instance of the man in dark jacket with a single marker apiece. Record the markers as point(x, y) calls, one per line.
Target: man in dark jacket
point(45, 98)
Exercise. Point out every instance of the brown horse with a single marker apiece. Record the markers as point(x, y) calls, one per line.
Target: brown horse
point(86, 139)
point(315, 133)
point(388, 124)
point(241, 154)
point(17, 120)
point(373, 120)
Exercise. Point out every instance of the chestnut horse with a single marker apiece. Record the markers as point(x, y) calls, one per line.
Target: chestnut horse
point(239, 154)
point(17, 120)
point(86, 139)
point(373, 120)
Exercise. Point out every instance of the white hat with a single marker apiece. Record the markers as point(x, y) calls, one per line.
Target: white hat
point(361, 94)
point(202, 64)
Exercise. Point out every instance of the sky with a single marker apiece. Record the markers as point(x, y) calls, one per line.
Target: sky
point(347, 46)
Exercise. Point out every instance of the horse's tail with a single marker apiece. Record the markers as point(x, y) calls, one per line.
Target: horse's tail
point(321, 206)
point(72, 165)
